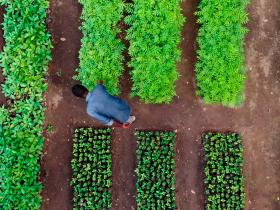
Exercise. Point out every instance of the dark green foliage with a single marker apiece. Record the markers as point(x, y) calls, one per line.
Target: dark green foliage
point(220, 70)
point(224, 178)
point(101, 52)
point(155, 170)
point(154, 35)
point(92, 168)
point(24, 62)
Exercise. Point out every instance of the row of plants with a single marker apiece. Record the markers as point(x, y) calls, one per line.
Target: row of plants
point(155, 170)
point(24, 61)
point(220, 70)
point(92, 168)
point(154, 35)
point(224, 179)
point(101, 51)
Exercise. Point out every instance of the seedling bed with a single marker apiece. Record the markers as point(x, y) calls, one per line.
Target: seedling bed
point(92, 168)
point(155, 170)
point(224, 179)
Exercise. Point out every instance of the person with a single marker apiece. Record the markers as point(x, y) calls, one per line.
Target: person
point(108, 109)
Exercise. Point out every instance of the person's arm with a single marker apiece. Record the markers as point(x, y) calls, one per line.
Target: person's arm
point(108, 121)
point(102, 118)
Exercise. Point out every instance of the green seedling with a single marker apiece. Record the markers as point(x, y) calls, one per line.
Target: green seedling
point(155, 170)
point(224, 179)
point(50, 129)
point(92, 169)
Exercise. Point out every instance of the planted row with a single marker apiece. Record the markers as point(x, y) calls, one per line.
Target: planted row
point(154, 36)
point(220, 70)
point(155, 170)
point(92, 168)
point(24, 61)
point(223, 171)
point(101, 51)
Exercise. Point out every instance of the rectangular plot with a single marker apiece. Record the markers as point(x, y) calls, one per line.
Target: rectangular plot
point(101, 51)
point(220, 70)
point(154, 35)
point(155, 170)
point(24, 62)
point(223, 171)
point(92, 168)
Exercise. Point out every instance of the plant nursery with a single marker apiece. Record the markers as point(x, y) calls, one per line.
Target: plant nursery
point(198, 80)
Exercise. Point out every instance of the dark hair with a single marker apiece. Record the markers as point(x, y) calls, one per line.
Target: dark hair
point(79, 91)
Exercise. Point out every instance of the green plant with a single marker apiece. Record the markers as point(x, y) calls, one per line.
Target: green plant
point(220, 71)
point(101, 52)
point(154, 35)
point(92, 168)
point(50, 129)
point(224, 179)
point(155, 170)
point(24, 61)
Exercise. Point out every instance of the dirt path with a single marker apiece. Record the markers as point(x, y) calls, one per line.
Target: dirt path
point(258, 120)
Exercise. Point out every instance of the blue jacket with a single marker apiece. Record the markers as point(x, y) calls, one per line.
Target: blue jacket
point(107, 108)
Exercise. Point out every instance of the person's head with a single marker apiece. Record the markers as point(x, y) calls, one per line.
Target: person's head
point(80, 91)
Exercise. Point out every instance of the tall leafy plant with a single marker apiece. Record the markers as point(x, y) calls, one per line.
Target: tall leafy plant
point(220, 70)
point(154, 35)
point(101, 51)
point(24, 61)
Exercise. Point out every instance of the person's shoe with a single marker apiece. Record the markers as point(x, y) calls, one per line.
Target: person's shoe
point(131, 119)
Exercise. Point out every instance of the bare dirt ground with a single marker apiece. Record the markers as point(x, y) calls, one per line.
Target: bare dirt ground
point(258, 121)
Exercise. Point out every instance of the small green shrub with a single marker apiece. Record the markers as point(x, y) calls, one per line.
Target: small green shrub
point(24, 61)
point(223, 170)
point(101, 52)
point(154, 35)
point(155, 170)
point(220, 71)
point(92, 169)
